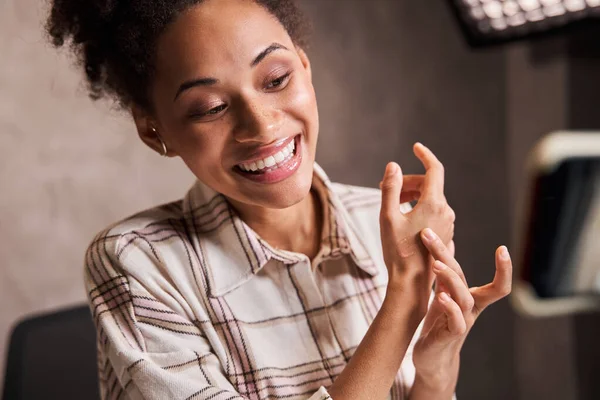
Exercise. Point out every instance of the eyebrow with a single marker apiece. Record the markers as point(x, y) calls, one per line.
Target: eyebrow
point(193, 83)
point(211, 81)
point(266, 52)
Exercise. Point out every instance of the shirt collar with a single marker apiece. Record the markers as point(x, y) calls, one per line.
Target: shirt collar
point(232, 252)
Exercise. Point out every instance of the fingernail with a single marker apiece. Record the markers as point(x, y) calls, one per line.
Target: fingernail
point(504, 253)
point(444, 297)
point(429, 234)
point(439, 266)
point(391, 169)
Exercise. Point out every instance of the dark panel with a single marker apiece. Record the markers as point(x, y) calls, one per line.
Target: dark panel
point(389, 73)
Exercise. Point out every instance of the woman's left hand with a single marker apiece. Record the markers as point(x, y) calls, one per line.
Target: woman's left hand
point(453, 312)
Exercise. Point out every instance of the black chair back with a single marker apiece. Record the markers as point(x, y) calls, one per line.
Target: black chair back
point(53, 356)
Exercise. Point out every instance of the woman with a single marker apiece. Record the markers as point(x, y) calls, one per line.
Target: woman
point(266, 280)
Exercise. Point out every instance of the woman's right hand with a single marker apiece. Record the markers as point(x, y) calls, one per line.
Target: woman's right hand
point(405, 256)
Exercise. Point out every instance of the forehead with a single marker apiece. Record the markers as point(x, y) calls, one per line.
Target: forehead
point(217, 34)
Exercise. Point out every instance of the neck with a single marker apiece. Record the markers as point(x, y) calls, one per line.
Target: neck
point(288, 228)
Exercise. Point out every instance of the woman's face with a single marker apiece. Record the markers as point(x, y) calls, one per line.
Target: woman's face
point(233, 97)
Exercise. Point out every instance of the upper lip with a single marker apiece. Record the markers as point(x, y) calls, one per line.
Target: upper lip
point(268, 150)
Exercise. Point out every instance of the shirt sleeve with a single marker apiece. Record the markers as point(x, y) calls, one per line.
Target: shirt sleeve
point(148, 349)
point(321, 394)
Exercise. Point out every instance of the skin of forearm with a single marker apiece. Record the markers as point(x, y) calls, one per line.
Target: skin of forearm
point(373, 367)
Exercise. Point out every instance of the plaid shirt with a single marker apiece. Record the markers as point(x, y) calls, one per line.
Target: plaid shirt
point(190, 303)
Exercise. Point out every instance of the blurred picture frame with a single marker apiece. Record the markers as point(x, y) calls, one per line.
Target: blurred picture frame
point(557, 237)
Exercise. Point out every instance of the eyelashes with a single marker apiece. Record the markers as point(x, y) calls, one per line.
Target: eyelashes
point(273, 85)
point(280, 81)
point(215, 110)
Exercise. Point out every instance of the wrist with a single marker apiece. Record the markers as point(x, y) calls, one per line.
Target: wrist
point(406, 302)
point(423, 389)
point(442, 379)
point(409, 288)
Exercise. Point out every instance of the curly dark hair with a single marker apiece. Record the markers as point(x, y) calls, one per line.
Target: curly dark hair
point(114, 40)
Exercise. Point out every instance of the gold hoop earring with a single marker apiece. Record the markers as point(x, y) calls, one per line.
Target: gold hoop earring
point(164, 146)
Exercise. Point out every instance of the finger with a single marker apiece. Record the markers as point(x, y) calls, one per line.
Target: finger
point(433, 186)
point(407, 197)
point(454, 285)
point(439, 251)
point(431, 276)
point(413, 183)
point(411, 187)
point(452, 248)
point(391, 187)
point(439, 286)
point(434, 311)
point(501, 285)
point(456, 320)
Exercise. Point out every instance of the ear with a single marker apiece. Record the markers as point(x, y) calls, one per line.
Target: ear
point(305, 61)
point(145, 124)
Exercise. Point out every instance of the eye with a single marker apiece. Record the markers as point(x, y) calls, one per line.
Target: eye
point(215, 110)
point(200, 114)
point(278, 82)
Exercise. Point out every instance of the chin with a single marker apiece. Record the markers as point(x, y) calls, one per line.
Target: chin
point(283, 194)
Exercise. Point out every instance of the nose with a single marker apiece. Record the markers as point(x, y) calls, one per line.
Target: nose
point(258, 122)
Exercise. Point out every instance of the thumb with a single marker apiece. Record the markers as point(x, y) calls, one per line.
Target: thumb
point(391, 187)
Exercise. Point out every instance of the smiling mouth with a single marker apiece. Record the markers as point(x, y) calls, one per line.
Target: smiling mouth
point(270, 163)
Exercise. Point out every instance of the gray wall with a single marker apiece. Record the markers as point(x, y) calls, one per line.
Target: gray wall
point(387, 73)
point(68, 167)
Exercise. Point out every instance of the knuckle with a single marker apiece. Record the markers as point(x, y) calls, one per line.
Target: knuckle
point(469, 303)
point(506, 289)
point(440, 166)
point(387, 185)
point(437, 244)
point(451, 214)
point(386, 216)
point(461, 330)
point(440, 247)
point(436, 164)
point(501, 291)
point(437, 206)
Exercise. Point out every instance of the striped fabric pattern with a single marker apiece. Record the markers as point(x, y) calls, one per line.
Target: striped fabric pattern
point(190, 303)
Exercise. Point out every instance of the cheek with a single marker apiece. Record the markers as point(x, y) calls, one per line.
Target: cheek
point(202, 151)
point(302, 100)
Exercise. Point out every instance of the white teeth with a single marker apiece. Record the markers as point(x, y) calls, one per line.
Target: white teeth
point(277, 158)
point(270, 161)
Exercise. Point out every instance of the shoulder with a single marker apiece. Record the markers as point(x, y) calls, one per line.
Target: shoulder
point(147, 257)
point(136, 234)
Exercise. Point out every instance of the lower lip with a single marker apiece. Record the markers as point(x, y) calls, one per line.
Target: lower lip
point(282, 172)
